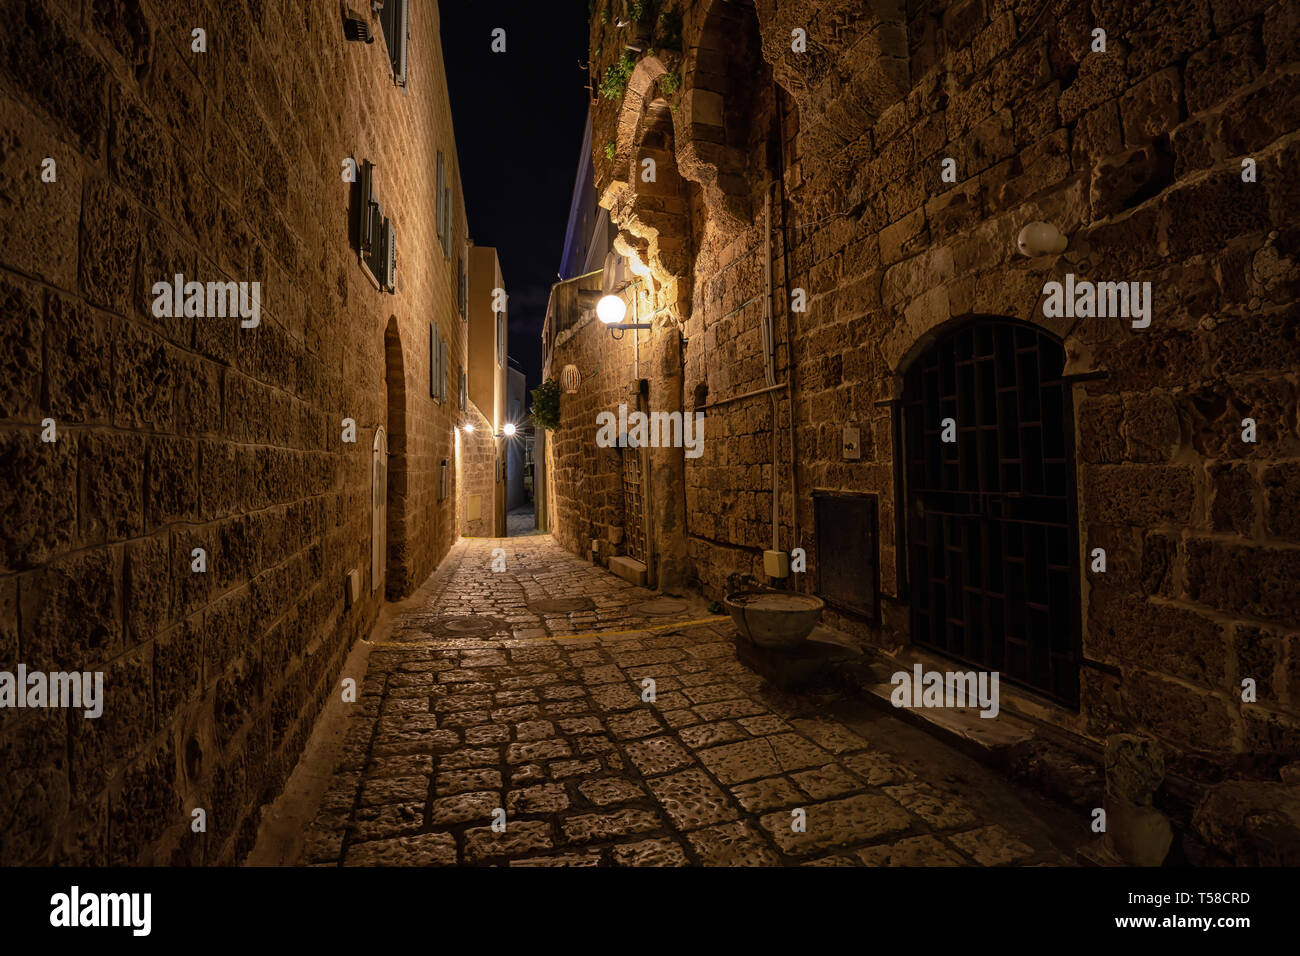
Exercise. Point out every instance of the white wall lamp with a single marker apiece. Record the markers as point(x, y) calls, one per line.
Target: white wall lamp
point(570, 378)
point(1040, 238)
point(611, 309)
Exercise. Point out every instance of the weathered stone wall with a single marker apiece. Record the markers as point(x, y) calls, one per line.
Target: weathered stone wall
point(476, 465)
point(1136, 155)
point(587, 479)
point(177, 433)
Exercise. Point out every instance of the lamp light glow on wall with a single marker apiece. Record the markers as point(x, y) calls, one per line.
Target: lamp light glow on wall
point(611, 309)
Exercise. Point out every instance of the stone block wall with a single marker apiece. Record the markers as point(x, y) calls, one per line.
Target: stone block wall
point(1136, 154)
point(476, 466)
point(587, 480)
point(180, 433)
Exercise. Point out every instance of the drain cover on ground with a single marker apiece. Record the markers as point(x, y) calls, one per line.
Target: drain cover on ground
point(561, 605)
point(469, 623)
point(659, 607)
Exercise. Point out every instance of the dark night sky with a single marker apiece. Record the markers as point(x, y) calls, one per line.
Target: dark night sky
point(519, 119)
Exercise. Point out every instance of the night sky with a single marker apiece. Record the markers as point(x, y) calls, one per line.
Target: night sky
point(519, 119)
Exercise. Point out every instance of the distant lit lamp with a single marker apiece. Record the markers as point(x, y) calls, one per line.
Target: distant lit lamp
point(508, 429)
point(468, 428)
point(570, 378)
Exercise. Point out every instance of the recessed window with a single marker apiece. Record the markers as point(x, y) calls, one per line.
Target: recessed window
point(396, 20)
point(442, 371)
point(376, 236)
point(437, 365)
point(433, 361)
point(443, 199)
point(462, 288)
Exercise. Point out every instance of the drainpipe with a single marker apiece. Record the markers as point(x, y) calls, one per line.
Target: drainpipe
point(769, 356)
point(789, 332)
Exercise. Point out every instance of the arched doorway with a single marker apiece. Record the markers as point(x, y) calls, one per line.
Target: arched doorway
point(991, 513)
point(395, 557)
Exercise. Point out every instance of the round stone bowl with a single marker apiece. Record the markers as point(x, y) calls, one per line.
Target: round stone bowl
point(776, 619)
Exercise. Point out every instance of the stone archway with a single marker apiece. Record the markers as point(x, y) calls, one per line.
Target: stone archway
point(722, 74)
point(397, 562)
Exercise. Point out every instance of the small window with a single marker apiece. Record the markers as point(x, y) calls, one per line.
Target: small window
point(376, 236)
point(440, 197)
point(396, 20)
point(501, 339)
point(434, 357)
point(446, 230)
point(462, 288)
point(443, 200)
point(437, 365)
point(444, 486)
point(442, 371)
point(462, 385)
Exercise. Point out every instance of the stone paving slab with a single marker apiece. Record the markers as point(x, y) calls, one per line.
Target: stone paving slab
point(545, 722)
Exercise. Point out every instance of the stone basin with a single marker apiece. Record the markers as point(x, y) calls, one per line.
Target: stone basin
point(776, 619)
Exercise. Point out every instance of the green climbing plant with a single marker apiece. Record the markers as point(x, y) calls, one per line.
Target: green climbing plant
point(610, 150)
point(614, 83)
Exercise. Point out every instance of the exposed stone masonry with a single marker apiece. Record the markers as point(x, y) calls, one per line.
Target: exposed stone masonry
point(1136, 155)
point(179, 433)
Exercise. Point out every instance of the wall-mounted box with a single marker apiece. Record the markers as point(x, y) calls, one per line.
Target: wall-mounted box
point(852, 443)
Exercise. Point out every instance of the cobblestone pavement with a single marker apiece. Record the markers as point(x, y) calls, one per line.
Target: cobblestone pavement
point(521, 521)
point(482, 700)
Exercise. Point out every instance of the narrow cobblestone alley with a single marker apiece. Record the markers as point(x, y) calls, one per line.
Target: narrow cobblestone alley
point(492, 694)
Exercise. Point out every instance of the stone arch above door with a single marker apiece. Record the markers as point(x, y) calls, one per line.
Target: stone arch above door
point(1016, 290)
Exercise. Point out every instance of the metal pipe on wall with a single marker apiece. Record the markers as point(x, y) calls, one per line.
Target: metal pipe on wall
point(778, 99)
point(769, 356)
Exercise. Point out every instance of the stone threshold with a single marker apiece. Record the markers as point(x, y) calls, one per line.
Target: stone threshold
point(1051, 760)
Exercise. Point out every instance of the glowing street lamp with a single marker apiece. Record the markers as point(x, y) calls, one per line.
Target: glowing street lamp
point(611, 309)
point(508, 429)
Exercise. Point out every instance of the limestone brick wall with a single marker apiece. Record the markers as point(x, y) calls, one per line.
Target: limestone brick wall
point(587, 479)
point(179, 433)
point(476, 464)
point(1136, 155)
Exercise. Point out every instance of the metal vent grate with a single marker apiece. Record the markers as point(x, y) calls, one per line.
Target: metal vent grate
point(847, 532)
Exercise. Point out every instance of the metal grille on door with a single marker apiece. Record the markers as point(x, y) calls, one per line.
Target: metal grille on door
point(633, 505)
point(991, 516)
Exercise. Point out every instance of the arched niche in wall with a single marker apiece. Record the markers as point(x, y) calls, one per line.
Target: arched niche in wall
point(397, 564)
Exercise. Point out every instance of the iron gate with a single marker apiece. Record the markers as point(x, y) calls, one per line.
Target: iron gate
point(633, 505)
point(991, 516)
